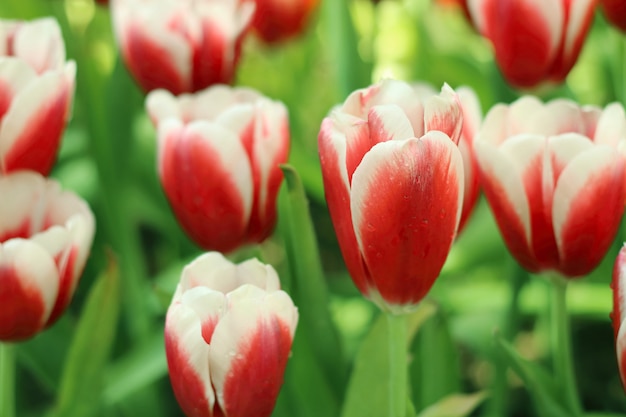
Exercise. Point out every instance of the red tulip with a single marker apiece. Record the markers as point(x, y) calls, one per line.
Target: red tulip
point(228, 334)
point(535, 41)
point(45, 238)
point(181, 45)
point(393, 177)
point(554, 176)
point(619, 307)
point(219, 156)
point(278, 20)
point(36, 90)
point(615, 12)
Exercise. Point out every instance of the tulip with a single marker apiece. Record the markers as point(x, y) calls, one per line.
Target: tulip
point(394, 181)
point(228, 334)
point(219, 155)
point(181, 45)
point(619, 307)
point(45, 238)
point(554, 176)
point(535, 41)
point(615, 12)
point(36, 91)
point(278, 20)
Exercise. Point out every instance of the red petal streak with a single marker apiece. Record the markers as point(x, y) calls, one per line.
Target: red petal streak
point(214, 59)
point(150, 63)
point(37, 145)
point(406, 206)
point(256, 373)
point(22, 309)
point(22, 231)
point(202, 191)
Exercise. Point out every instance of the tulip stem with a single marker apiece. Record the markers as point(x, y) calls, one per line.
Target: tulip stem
point(7, 380)
point(562, 346)
point(398, 371)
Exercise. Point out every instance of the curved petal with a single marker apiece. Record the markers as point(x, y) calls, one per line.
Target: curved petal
point(611, 128)
point(206, 175)
point(618, 285)
point(15, 75)
point(557, 117)
point(29, 283)
point(161, 104)
point(588, 207)
point(40, 43)
point(406, 201)
point(443, 113)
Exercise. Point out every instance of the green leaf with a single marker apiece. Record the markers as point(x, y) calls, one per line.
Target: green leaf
point(367, 394)
point(540, 385)
point(309, 288)
point(81, 384)
point(455, 405)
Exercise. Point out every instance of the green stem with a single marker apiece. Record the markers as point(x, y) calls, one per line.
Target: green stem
point(562, 346)
point(7, 380)
point(398, 371)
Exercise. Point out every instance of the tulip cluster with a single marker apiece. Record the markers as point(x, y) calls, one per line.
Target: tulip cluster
point(45, 233)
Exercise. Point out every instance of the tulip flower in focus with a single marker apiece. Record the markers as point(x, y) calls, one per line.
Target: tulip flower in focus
point(393, 177)
point(228, 335)
point(615, 12)
point(534, 41)
point(181, 45)
point(278, 20)
point(219, 155)
point(554, 176)
point(619, 309)
point(45, 239)
point(36, 92)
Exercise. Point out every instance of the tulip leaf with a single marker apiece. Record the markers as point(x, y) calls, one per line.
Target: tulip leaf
point(455, 405)
point(367, 394)
point(310, 291)
point(540, 385)
point(81, 382)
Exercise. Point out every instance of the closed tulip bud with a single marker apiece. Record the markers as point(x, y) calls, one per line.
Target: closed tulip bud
point(228, 335)
point(393, 177)
point(619, 310)
point(615, 12)
point(36, 92)
point(181, 45)
point(218, 158)
point(45, 239)
point(535, 41)
point(278, 20)
point(554, 176)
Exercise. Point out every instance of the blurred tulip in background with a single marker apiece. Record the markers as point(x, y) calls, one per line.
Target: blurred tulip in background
point(277, 20)
point(218, 160)
point(45, 239)
point(181, 45)
point(36, 94)
point(228, 335)
point(615, 12)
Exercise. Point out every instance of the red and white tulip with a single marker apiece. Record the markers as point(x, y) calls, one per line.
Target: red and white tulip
point(393, 177)
point(218, 158)
point(535, 41)
point(228, 335)
point(278, 20)
point(181, 45)
point(554, 176)
point(36, 92)
point(45, 239)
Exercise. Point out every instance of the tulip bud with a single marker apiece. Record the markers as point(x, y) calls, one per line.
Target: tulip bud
point(278, 20)
point(228, 335)
point(615, 12)
point(554, 176)
point(181, 45)
point(45, 238)
point(393, 177)
point(219, 156)
point(534, 41)
point(36, 91)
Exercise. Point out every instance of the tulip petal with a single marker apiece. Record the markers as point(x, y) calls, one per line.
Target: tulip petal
point(206, 175)
point(15, 75)
point(406, 201)
point(31, 130)
point(618, 285)
point(40, 43)
point(611, 128)
point(161, 104)
point(249, 351)
point(588, 206)
point(520, 115)
point(28, 288)
point(444, 113)
point(557, 117)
